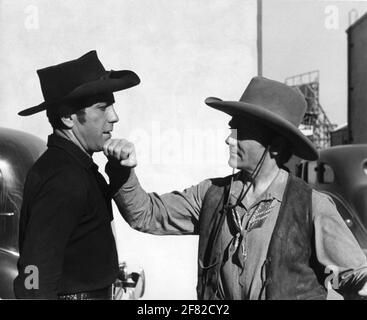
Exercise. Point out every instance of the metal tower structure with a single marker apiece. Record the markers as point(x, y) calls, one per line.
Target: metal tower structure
point(315, 125)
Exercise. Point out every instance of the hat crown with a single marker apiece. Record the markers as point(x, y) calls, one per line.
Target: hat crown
point(276, 106)
point(59, 80)
point(277, 98)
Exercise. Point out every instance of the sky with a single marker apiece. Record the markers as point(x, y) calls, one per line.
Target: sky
point(301, 36)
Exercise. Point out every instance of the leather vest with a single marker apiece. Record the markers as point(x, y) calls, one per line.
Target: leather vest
point(291, 268)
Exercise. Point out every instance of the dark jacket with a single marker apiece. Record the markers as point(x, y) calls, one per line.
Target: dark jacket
point(291, 268)
point(65, 225)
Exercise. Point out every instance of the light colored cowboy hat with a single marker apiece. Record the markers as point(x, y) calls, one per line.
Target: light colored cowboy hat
point(275, 105)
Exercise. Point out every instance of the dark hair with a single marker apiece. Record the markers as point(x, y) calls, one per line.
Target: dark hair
point(54, 118)
point(80, 114)
point(285, 155)
point(76, 106)
point(63, 110)
point(285, 151)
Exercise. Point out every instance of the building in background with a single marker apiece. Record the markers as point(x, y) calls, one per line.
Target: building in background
point(315, 125)
point(339, 136)
point(357, 81)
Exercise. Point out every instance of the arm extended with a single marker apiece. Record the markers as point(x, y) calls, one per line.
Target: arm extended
point(167, 214)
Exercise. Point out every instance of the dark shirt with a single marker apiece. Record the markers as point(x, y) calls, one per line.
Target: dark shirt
point(65, 225)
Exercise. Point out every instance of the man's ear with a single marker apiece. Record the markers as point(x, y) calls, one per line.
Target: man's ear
point(68, 121)
point(280, 150)
point(276, 146)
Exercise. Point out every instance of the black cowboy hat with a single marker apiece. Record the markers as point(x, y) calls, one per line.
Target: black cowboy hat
point(275, 105)
point(78, 79)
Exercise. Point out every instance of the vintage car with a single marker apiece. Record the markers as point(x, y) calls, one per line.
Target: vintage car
point(18, 152)
point(341, 172)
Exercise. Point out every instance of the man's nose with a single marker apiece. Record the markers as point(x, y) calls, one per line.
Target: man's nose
point(113, 117)
point(232, 137)
point(230, 141)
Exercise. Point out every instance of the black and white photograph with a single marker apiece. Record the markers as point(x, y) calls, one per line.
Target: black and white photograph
point(183, 150)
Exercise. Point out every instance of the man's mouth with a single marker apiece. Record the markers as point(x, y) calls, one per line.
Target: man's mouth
point(232, 152)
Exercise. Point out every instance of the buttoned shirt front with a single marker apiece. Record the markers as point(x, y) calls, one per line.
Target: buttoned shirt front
point(245, 239)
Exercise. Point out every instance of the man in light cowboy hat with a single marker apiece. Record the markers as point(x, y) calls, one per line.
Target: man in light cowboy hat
point(65, 224)
point(263, 233)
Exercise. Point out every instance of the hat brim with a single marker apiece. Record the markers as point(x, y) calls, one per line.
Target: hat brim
point(302, 146)
point(112, 82)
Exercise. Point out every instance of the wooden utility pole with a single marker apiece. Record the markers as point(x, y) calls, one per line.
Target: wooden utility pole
point(259, 38)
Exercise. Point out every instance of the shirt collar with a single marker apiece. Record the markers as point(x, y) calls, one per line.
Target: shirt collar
point(274, 191)
point(72, 149)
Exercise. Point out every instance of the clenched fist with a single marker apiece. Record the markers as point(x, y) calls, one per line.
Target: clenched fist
point(122, 150)
point(363, 292)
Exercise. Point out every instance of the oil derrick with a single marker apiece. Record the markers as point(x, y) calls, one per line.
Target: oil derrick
point(315, 124)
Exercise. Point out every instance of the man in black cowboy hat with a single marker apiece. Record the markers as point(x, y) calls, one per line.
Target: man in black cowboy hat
point(67, 248)
point(263, 233)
